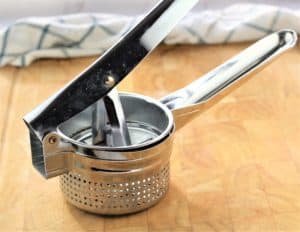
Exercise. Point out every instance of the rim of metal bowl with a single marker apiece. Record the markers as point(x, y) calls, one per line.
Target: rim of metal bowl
point(165, 134)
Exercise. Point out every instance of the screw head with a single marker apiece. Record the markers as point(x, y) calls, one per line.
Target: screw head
point(110, 81)
point(52, 140)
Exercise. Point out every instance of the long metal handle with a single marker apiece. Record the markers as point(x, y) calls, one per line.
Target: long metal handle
point(111, 68)
point(100, 78)
point(197, 96)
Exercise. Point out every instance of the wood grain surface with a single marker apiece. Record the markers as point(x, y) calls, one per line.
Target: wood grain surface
point(234, 168)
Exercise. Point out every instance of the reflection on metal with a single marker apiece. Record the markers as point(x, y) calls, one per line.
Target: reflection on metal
point(112, 151)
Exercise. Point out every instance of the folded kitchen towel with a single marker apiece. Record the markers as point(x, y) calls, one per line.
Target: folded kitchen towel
point(79, 35)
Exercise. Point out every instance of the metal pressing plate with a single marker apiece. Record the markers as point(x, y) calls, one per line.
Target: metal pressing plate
point(139, 133)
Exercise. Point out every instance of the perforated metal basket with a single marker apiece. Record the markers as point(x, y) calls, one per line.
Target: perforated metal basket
point(119, 194)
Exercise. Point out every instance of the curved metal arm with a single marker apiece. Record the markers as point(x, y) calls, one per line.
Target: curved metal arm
point(194, 98)
point(100, 78)
point(111, 68)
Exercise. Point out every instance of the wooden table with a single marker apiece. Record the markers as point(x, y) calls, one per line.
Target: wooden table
point(235, 168)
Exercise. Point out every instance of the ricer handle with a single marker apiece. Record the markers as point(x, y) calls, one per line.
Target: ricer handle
point(201, 94)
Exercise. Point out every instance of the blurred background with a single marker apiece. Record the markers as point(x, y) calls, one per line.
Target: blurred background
point(33, 29)
point(26, 8)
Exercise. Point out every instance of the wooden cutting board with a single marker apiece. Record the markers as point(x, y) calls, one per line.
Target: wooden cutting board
point(234, 168)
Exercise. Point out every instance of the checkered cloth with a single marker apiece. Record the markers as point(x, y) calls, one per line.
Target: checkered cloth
point(91, 34)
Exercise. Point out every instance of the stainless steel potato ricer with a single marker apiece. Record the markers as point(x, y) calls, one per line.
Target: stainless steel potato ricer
point(112, 150)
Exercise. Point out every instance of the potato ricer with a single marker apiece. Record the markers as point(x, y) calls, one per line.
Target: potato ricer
point(112, 150)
